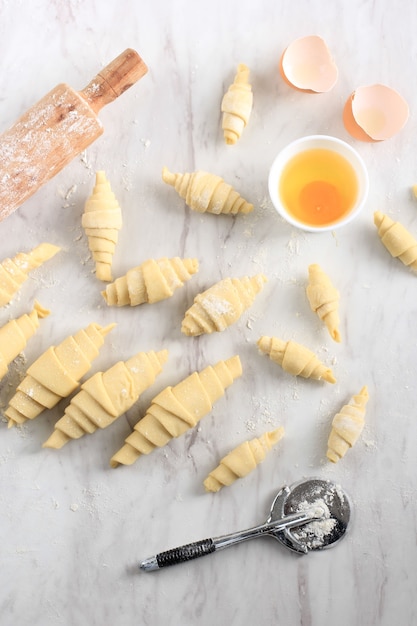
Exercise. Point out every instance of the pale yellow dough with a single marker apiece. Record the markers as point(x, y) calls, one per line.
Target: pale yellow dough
point(237, 105)
point(324, 299)
point(398, 241)
point(101, 220)
point(15, 334)
point(177, 409)
point(347, 426)
point(56, 374)
point(204, 192)
point(106, 396)
point(14, 272)
point(221, 305)
point(295, 359)
point(242, 460)
point(152, 281)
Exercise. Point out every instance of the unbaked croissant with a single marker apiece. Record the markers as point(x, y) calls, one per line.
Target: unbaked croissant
point(152, 281)
point(101, 220)
point(324, 299)
point(295, 359)
point(237, 105)
point(56, 374)
point(106, 396)
point(398, 241)
point(347, 426)
point(14, 272)
point(177, 409)
point(242, 460)
point(204, 192)
point(15, 334)
point(221, 305)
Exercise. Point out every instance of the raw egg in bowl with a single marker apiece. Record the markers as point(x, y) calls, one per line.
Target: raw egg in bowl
point(318, 183)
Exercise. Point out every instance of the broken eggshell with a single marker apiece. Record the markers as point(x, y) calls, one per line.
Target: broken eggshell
point(374, 113)
point(307, 64)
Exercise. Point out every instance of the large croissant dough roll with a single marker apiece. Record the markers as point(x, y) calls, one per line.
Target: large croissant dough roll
point(295, 359)
point(221, 305)
point(152, 281)
point(324, 299)
point(106, 396)
point(205, 192)
point(15, 334)
point(347, 426)
point(14, 272)
point(56, 374)
point(101, 220)
point(242, 460)
point(177, 409)
point(397, 240)
point(237, 105)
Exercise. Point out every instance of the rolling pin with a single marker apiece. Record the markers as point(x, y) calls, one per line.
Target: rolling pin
point(57, 128)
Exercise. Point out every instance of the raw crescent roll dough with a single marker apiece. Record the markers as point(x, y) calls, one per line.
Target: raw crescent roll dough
point(14, 272)
point(295, 359)
point(101, 220)
point(177, 409)
point(221, 305)
point(347, 426)
point(106, 396)
point(15, 334)
point(237, 105)
point(152, 281)
point(324, 299)
point(242, 460)
point(56, 374)
point(205, 192)
point(397, 240)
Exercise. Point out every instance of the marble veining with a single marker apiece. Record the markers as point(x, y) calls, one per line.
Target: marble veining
point(73, 530)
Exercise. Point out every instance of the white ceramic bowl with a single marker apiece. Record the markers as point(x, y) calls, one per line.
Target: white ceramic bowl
point(324, 142)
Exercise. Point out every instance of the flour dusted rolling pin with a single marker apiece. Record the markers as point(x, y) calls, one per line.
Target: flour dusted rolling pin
point(57, 128)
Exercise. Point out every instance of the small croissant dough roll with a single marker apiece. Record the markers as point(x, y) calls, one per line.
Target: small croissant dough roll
point(101, 220)
point(221, 305)
point(397, 240)
point(55, 374)
point(152, 281)
point(242, 460)
point(347, 426)
point(324, 299)
point(15, 334)
point(237, 105)
point(14, 272)
point(295, 359)
point(106, 396)
point(177, 409)
point(204, 192)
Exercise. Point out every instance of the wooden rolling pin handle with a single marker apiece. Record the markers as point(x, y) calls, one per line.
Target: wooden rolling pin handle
point(114, 79)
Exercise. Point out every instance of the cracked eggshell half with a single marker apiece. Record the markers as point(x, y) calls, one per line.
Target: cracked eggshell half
point(374, 113)
point(307, 64)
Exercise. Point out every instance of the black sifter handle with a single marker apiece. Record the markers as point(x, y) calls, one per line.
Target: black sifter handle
point(179, 555)
point(185, 553)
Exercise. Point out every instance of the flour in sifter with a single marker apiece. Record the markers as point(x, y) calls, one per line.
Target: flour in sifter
point(313, 534)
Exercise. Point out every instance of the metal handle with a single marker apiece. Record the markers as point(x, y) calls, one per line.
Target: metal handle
point(207, 546)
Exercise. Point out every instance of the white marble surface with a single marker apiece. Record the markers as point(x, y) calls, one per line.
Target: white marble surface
point(73, 530)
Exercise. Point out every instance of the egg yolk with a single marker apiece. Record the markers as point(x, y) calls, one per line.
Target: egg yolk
point(318, 187)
